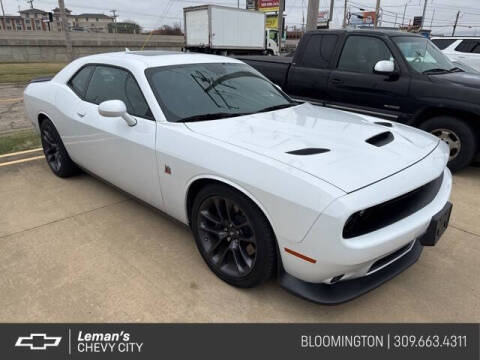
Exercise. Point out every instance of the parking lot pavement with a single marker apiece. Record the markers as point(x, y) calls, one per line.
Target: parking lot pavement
point(12, 113)
point(78, 250)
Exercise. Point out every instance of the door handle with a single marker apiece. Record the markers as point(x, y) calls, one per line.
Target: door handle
point(336, 81)
point(81, 114)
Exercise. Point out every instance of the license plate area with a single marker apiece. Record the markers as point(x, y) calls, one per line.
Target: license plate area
point(437, 227)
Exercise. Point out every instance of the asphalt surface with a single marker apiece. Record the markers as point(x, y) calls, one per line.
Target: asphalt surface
point(77, 250)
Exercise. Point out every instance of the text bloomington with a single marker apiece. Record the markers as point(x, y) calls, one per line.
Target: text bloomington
point(342, 341)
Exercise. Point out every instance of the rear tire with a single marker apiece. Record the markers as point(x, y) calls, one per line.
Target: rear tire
point(233, 236)
point(458, 134)
point(55, 153)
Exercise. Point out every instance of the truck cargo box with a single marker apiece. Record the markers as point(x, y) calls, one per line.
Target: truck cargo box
point(220, 27)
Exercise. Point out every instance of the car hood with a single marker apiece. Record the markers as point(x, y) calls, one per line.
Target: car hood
point(350, 162)
point(465, 79)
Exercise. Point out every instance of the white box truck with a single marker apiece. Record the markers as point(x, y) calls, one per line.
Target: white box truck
point(226, 31)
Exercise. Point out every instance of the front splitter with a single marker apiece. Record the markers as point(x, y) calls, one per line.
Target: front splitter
point(343, 291)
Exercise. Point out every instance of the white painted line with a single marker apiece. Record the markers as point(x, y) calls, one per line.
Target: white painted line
point(19, 153)
point(22, 160)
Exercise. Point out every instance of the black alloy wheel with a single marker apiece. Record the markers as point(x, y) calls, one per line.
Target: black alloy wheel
point(55, 152)
point(51, 149)
point(233, 236)
point(227, 235)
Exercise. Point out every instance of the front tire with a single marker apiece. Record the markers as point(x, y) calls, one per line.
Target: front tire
point(459, 136)
point(233, 236)
point(55, 152)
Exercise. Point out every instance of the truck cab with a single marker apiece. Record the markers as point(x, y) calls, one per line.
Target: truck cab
point(271, 42)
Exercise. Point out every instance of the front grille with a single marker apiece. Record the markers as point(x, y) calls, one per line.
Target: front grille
point(384, 214)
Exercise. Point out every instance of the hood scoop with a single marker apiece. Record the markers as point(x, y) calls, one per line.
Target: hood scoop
point(381, 139)
point(308, 151)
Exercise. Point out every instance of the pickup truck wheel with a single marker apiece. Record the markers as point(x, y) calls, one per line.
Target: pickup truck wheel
point(459, 136)
point(55, 152)
point(233, 236)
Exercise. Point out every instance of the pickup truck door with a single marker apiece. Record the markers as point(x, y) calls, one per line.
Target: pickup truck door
point(353, 85)
point(106, 146)
point(309, 74)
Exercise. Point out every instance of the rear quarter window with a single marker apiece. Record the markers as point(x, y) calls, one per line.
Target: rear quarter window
point(79, 82)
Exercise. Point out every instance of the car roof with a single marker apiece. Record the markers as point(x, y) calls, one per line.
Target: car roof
point(457, 37)
point(154, 58)
point(369, 31)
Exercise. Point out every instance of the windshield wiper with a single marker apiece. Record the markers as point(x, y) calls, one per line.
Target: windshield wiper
point(222, 115)
point(278, 107)
point(435, 71)
point(213, 116)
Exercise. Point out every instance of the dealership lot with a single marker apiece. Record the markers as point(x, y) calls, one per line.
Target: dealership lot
point(78, 250)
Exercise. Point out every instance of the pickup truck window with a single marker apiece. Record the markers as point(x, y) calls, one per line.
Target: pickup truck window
point(422, 55)
point(361, 53)
point(319, 50)
point(197, 92)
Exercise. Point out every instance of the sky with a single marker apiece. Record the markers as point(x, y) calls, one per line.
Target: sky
point(151, 14)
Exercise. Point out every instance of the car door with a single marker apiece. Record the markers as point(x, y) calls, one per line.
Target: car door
point(122, 155)
point(354, 85)
point(309, 76)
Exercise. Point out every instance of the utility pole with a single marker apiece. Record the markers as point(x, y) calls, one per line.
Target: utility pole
point(114, 12)
point(281, 6)
point(31, 3)
point(312, 14)
point(395, 25)
point(303, 17)
point(423, 14)
point(344, 25)
point(3, 11)
point(404, 11)
point(431, 22)
point(330, 16)
point(377, 14)
point(65, 29)
point(456, 21)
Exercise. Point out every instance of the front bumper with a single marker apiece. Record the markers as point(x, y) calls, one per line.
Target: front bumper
point(333, 255)
point(349, 289)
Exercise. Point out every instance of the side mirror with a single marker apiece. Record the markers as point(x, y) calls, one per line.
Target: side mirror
point(116, 108)
point(384, 67)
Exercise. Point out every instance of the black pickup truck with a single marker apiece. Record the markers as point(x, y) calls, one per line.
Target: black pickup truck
point(389, 74)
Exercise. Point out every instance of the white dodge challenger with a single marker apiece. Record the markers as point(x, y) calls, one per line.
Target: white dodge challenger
point(332, 203)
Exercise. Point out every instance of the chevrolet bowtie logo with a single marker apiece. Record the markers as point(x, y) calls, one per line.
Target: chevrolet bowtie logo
point(38, 341)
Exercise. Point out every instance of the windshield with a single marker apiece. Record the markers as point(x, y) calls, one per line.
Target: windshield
point(422, 55)
point(197, 92)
